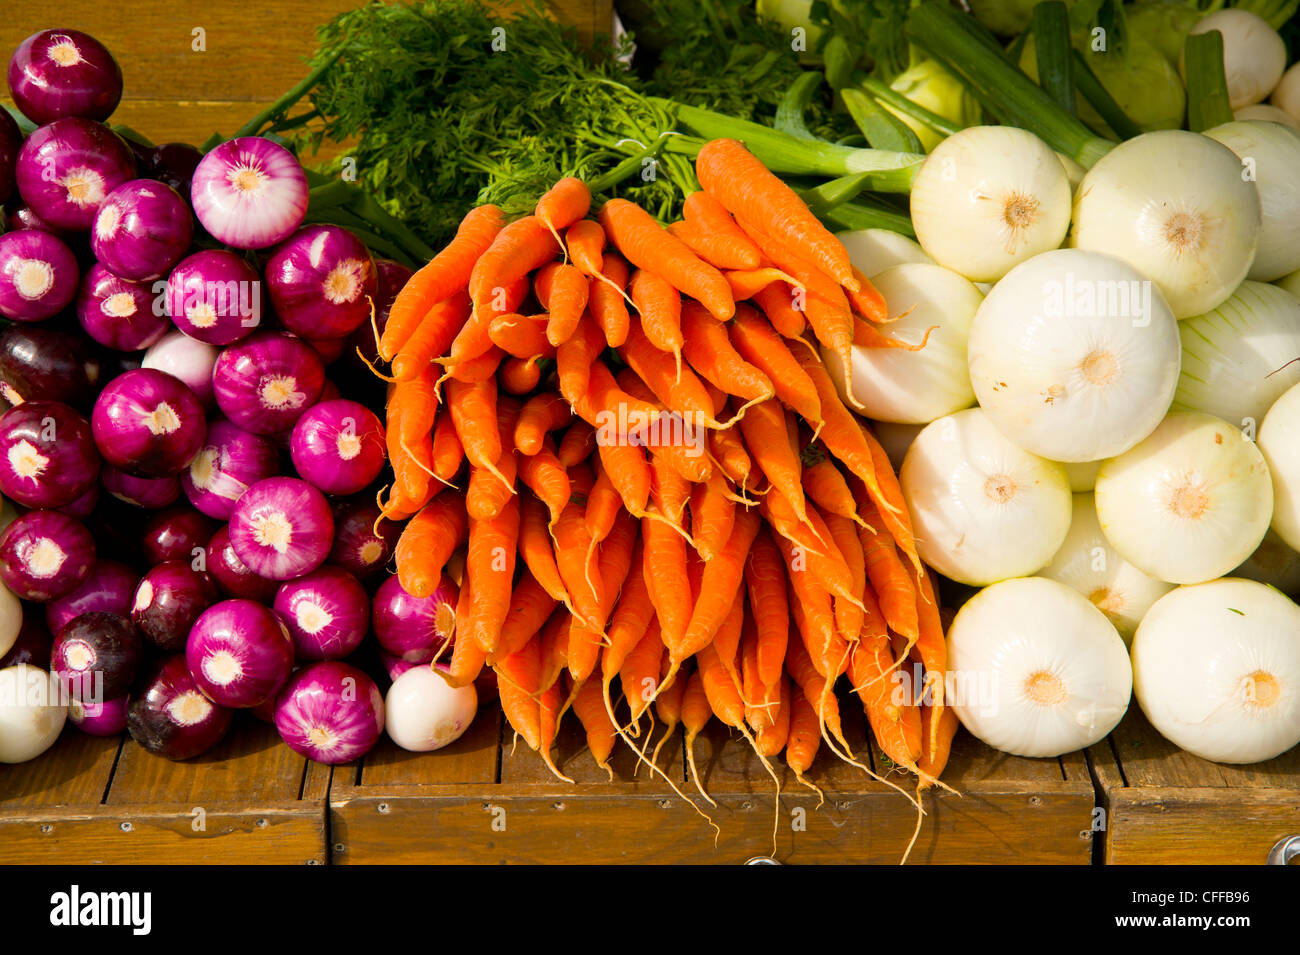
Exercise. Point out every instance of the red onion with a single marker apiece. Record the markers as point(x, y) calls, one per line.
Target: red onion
point(358, 549)
point(282, 528)
point(189, 360)
point(329, 349)
point(148, 423)
point(231, 461)
point(95, 656)
point(179, 533)
point(232, 575)
point(83, 507)
point(38, 275)
point(57, 73)
point(168, 601)
point(215, 296)
point(11, 140)
point(45, 554)
point(338, 446)
point(107, 588)
point(414, 628)
point(327, 613)
point(141, 230)
point(239, 652)
point(396, 666)
point(322, 281)
point(24, 217)
point(40, 363)
point(330, 712)
point(174, 164)
point(249, 193)
point(172, 718)
point(67, 168)
point(265, 383)
point(117, 313)
point(33, 644)
point(100, 719)
point(148, 493)
point(48, 458)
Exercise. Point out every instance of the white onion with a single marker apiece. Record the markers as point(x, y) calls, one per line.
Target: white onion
point(11, 619)
point(1038, 670)
point(1286, 95)
point(1273, 563)
point(1082, 475)
point(1270, 153)
point(1074, 355)
point(1188, 503)
point(982, 508)
point(1087, 563)
point(32, 712)
point(1254, 54)
point(1216, 669)
point(1174, 205)
point(1235, 356)
point(915, 387)
point(423, 713)
point(1264, 113)
point(873, 250)
point(989, 197)
point(1279, 441)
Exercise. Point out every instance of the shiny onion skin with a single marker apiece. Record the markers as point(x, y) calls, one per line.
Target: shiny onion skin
point(239, 653)
point(96, 655)
point(168, 600)
point(172, 718)
point(68, 167)
point(58, 73)
point(338, 446)
point(264, 383)
point(118, 313)
point(141, 230)
point(330, 712)
point(327, 613)
point(282, 528)
point(249, 193)
point(45, 554)
point(38, 275)
point(322, 281)
point(230, 462)
point(107, 588)
point(48, 457)
point(214, 296)
point(148, 423)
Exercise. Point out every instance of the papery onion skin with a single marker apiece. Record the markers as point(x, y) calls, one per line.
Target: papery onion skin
point(106, 718)
point(118, 313)
point(249, 193)
point(330, 712)
point(422, 713)
point(141, 230)
point(282, 528)
point(230, 462)
point(44, 555)
point(148, 423)
point(48, 457)
point(214, 296)
point(327, 613)
point(67, 168)
point(143, 492)
point(873, 250)
point(239, 653)
point(38, 275)
point(58, 73)
point(322, 281)
point(265, 383)
point(172, 718)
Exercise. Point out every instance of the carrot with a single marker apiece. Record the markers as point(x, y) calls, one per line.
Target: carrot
point(521, 376)
point(446, 274)
point(490, 563)
point(825, 485)
point(481, 367)
point(629, 472)
point(427, 541)
point(764, 430)
point(550, 708)
point(572, 547)
point(615, 413)
point(467, 654)
point(765, 582)
point(777, 302)
point(810, 605)
point(603, 505)
point(665, 575)
point(727, 448)
point(849, 615)
point(547, 478)
point(473, 409)
point(670, 490)
point(574, 360)
point(695, 716)
point(536, 549)
point(609, 300)
point(520, 675)
point(674, 439)
point(732, 174)
point(870, 664)
point(660, 307)
point(867, 301)
point(487, 493)
point(893, 585)
point(715, 249)
point(585, 241)
point(446, 450)
point(746, 283)
point(758, 343)
point(562, 290)
point(815, 687)
point(436, 331)
point(726, 642)
point(614, 565)
point(645, 244)
point(522, 336)
point(519, 248)
point(554, 638)
point(706, 215)
point(539, 415)
point(711, 355)
point(577, 444)
point(678, 388)
point(713, 515)
point(472, 339)
point(530, 607)
point(752, 690)
point(938, 727)
point(563, 204)
point(600, 728)
point(631, 617)
point(804, 738)
point(866, 335)
point(771, 739)
point(639, 672)
point(933, 650)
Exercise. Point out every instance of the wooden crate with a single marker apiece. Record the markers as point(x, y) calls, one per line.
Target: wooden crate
point(478, 802)
point(93, 800)
point(1166, 806)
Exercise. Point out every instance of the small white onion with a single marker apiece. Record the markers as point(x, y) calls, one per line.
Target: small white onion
point(1262, 112)
point(423, 713)
point(1270, 154)
point(1082, 475)
point(915, 387)
point(1188, 503)
point(32, 712)
point(1254, 54)
point(1279, 440)
point(988, 198)
point(1087, 563)
point(1216, 669)
point(1286, 95)
point(982, 508)
point(1273, 563)
point(1235, 357)
point(11, 619)
point(1074, 355)
point(1174, 205)
point(1037, 669)
point(873, 250)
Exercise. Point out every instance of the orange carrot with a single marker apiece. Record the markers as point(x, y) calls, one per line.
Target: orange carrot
point(695, 716)
point(777, 302)
point(473, 409)
point(713, 515)
point(562, 290)
point(536, 549)
point(758, 343)
point(577, 444)
point(771, 739)
point(540, 414)
point(608, 302)
point(746, 283)
point(547, 478)
point(709, 217)
point(563, 204)
point(530, 607)
point(631, 616)
point(437, 329)
point(804, 738)
point(665, 571)
point(765, 581)
point(867, 301)
point(427, 542)
point(585, 241)
point(467, 654)
point(711, 355)
point(676, 387)
point(519, 248)
point(574, 360)
point(938, 727)
point(629, 472)
point(521, 376)
point(639, 673)
point(719, 251)
point(522, 336)
point(520, 675)
point(727, 448)
point(848, 615)
point(447, 452)
point(660, 308)
point(490, 563)
point(893, 585)
point(600, 728)
point(825, 485)
point(764, 430)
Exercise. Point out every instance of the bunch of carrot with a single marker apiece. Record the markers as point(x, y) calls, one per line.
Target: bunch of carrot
point(630, 434)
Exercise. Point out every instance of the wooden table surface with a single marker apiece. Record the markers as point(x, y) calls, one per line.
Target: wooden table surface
point(192, 68)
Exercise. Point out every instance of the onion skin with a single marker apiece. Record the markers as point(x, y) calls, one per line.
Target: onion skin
point(214, 296)
point(141, 230)
point(248, 219)
point(330, 712)
point(414, 628)
point(68, 167)
point(338, 446)
point(40, 363)
point(118, 313)
point(48, 457)
point(96, 656)
point(231, 461)
point(322, 281)
point(157, 719)
point(148, 423)
point(147, 493)
point(100, 719)
point(25, 735)
point(357, 548)
point(328, 592)
point(180, 533)
point(264, 384)
point(174, 164)
point(189, 360)
point(245, 637)
point(32, 646)
point(58, 73)
point(107, 589)
point(38, 275)
point(422, 713)
point(297, 519)
point(61, 547)
point(232, 575)
point(83, 507)
point(167, 602)
point(11, 139)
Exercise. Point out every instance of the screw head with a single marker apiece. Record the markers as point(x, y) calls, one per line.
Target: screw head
point(127, 827)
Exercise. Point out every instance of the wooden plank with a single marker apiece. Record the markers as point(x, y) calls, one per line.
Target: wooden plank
point(1149, 759)
point(75, 771)
point(471, 759)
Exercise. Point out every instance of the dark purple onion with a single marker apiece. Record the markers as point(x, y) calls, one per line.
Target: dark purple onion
point(179, 533)
point(173, 164)
point(414, 628)
point(107, 718)
point(58, 73)
point(40, 363)
point(48, 458)
point(172, 718)
point(187, 359)
point(357, 548)
point(24, 217)
point(264, 384)
point(45, 554)
point(83, 507)
point(231, 461)
point(96, 656)
point(33, 644)
point(233, 576)
point(11, 140)
point(38, 275)
point(329, 349)
point(117, 313)
point(322, 280)
point(168, 601)
point(327, 613)
point(148, 493)
point(148, 423)
point(107, 588)
point(214, 296)
point(68, 167)
point(141, 230)
point(282, 528)
point(338, 446)
point(330, 712)
point(239, 652)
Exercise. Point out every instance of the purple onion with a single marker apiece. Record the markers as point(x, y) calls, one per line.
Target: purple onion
point(264, 384)
point(189, 360)
point(338, 446)
point(392, 276)
point(141, 230)
point(107, 718)
point(174, 164)
point(179, 533)
point(396, 666)
point(48, 457)
point(38, 275)
point(118, 313)
point(231, 461)
point(282, 528)
point(58, 73)
point(358, 549)
point(11, 140)
point(328, 392)
point(239, 652)
point(322, 281)
point(249, 193)
point(214, 296)
point(24, 217)
point(45, 554)
point(96, 655)
point(414, 628)
point(232, 575)
point(172, 718)
point(83, 507)
point(330, 712)
point(107, 588)
point(148, 423)
point(168, 601)
point(329, 349)
point(40, 363)
point(327, 613)
point(33, 644)
point(67, 168)
point(148, 493)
